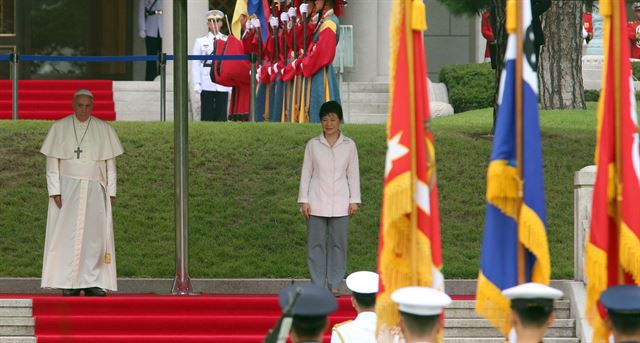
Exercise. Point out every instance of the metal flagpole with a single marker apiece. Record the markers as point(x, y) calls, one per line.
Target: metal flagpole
point(252, 99)
point(182, 281)
point(14, 84)
point(163, 86)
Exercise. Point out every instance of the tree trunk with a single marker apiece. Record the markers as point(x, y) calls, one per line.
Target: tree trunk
point(560, 71)
point(498, 13)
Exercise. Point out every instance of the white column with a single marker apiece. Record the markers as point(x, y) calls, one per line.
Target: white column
point(584, 180)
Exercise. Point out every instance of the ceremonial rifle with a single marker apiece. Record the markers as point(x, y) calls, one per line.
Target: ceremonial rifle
point(279, 333)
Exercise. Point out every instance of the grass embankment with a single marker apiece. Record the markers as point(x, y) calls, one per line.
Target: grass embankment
point(243, 184)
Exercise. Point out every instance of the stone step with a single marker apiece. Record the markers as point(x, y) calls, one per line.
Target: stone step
point(470, 313)
point(140, 86)
point(365, 87)
point(482, 328)
point(501, 340)
point(17, 339)
point(369, 107)
point(365, 97)
point(367, 118)
point(23, 326)
point(15, 308)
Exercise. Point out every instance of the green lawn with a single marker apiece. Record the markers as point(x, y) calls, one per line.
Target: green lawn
point(243, 184)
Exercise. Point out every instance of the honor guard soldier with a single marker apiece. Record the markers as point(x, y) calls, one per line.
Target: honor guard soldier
point(150, 27)
point(623, 312)
point(312, 306)
point(633, 31)
point(213, 97)
point(420, 311)
point(532, 310)
point(364, 287)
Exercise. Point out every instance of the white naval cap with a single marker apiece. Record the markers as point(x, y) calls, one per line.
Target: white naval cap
point(421, 301)
point(532, 290)
point(214, 14)
point(83, 91)
point(363, 282)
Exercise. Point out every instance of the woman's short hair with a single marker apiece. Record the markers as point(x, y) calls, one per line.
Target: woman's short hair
point(330, 107)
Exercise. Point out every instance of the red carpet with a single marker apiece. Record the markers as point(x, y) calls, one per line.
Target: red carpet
point(154, 318)
point(163, 318)
point(51, 99)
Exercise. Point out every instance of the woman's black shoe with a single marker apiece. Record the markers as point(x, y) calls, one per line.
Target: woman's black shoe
point(71, 292)
point(94, 292)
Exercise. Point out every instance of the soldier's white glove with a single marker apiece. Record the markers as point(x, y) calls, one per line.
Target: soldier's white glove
point(269, 71)
point(304, 9)
point(142, 34)
point(197, 89)
point(275, 68)
point(273, 21)
point(258, 73)
point(248, 25)
point(292, 12)
point(284, 17)
point(255, 22)
point(293, 63)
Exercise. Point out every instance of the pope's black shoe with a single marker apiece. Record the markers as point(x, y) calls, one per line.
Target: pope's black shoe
point(71, 292)
point(94, 292)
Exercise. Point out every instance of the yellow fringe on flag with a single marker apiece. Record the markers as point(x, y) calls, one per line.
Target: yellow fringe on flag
point(504, 187)
point(491, 304)
point(512, 20)
point(397, 271)
point(533, 236)
point(418, 16)
point(630, 252)
point(595, 270)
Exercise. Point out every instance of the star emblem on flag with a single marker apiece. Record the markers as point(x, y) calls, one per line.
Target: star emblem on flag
point(395, 150)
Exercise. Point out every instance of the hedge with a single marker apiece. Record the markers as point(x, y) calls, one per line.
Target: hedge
point(470, 86)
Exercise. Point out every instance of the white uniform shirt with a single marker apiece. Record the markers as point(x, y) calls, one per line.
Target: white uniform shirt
point(330, 178)
point(200, 72)
point(360, 330)
point(152, 25)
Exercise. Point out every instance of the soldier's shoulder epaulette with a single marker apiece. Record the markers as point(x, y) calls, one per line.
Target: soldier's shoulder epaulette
point(340, 324)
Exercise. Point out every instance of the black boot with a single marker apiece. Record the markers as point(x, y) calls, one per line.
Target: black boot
point(94, 292)
point(71, 292)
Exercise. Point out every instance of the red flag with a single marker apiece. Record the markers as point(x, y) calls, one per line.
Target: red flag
point(613, 250)
point(409, 248)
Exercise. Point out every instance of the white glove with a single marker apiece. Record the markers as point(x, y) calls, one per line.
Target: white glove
point(255, 22)
point(304, 9)
point(275, 68)
point(248, 25)
point(142, 33)
point(284, 17)
point(269, 71)
point(258, 73)
point(273, 21)
point(293, 64)
point(197, 89)
point(292, 12)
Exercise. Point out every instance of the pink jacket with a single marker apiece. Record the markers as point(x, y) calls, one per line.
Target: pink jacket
point(330, 178)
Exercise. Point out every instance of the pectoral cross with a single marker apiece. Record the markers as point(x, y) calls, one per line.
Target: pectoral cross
point(78, 151)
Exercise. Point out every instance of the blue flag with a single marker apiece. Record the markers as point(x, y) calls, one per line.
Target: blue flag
point(516, 212)
point(261, 10)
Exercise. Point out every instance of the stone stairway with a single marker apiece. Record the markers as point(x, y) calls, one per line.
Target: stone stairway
point(365, 102)
point(463, 325)
point(16, 323)
point(140, 100)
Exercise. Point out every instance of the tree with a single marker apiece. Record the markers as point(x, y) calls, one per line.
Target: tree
point(561, 58)
point(560, 68)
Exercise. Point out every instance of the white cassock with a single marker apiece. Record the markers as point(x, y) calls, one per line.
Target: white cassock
point(360, 330)
point(79, 248)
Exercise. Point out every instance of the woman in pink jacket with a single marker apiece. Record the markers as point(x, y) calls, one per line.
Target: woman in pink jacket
point(329, 195)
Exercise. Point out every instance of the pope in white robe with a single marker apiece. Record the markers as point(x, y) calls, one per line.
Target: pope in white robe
point(81, 181)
